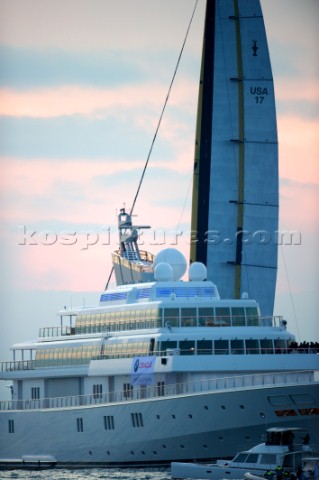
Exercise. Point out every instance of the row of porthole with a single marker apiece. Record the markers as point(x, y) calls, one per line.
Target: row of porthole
point(206, 408)
point(191, 416)
point(164, 446)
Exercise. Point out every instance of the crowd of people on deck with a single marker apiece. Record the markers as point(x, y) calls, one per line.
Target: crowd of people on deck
point(281, 474)
point(304, 347)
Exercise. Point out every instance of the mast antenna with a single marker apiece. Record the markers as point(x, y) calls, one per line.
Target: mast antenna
point(158, 124)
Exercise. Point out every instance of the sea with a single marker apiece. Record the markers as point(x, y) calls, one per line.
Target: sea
point(89, 474)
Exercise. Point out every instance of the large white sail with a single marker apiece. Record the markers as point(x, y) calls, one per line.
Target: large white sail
point(235, 191)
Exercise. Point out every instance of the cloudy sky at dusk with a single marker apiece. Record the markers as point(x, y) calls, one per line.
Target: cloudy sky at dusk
point(82, 85)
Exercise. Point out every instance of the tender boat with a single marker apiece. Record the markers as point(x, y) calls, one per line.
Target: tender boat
point(284, 448)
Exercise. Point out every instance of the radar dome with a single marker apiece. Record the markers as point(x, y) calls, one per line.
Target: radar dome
point(197, 272)
point(175, 259)
point(163, 272)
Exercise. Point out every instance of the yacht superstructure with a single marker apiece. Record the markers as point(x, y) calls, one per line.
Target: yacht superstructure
point(158, 371)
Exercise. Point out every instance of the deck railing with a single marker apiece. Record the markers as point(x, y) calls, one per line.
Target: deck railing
point(84, 358)
point(173, 322)
point(18, 366)
point(253, 381)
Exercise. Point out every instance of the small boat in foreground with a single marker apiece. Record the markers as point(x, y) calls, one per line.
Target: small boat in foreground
point(287, 448)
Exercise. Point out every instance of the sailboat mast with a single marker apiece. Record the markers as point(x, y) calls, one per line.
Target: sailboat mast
point(203, 142)
point(235, 184)
point(241, 158)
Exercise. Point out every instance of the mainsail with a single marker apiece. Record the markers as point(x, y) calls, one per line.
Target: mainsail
point(235, 187)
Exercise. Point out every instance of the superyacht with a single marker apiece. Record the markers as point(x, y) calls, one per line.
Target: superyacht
point(176, 363)
point(163, 369)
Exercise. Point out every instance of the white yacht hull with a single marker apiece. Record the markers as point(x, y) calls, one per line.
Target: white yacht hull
point(191, 427)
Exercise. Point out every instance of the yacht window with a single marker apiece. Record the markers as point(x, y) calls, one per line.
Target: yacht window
point(119, 320)
point(222, 316)
point(188, 317)
point(161, 389)
point(280, 346)
point(302, 399)
point(241, 457)
point(237, 347)
point(205, 317)
point(292, 461)
point(160, 317)
point(204, 347)
point(38, 358)
point(308, 411)
point(238, 316)
point(147, 315)
point(171, 315)
point(252, 347)
point(35, 393)
point(137, 420)
point(109, 422)
point(11, 426)
point(221, 347)
point(268, 459)
point(266, 346)
point(279, 400)
point(151, 346)
point(97, 391)
point(79, 424)
point(252, 316)
point(127, 390)
point(166, 345)
point(252, 458)
point(286, 413)
point(157, 316)
point(187, 347)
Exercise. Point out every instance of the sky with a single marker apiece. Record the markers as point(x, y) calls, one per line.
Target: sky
point(82, 85)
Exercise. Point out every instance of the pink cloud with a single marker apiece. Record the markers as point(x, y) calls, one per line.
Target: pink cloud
point(70, 100)
point(298, 149)
point(31, 192)
point(290, 89)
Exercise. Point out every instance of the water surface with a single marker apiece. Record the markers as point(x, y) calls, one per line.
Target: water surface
point(89, 473)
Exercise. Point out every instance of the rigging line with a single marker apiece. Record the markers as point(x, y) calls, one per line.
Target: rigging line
point(290, 293)
point(163, 109)
point(158, 125)
point(109, 279)
point(184, 206)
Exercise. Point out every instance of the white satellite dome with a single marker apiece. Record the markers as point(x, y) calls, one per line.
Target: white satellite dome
point(163, 272)
point(175, 259)
point(197, 272)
